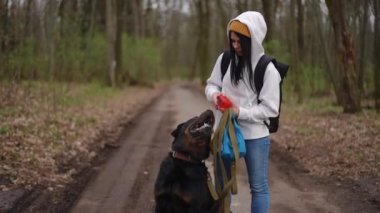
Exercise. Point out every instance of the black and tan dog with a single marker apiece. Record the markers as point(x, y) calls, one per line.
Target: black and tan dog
point(181, 185)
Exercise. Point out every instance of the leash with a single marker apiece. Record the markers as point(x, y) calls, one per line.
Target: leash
point(223, 185)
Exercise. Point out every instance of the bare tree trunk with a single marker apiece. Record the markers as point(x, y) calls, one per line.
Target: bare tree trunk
point(346, 59)
point(223, 17)
point(84, 14)
point(205, 55)
point(93, 17)
point(328, 56)
point(149, 19)
point(119, 37)
point(111, 23)
point(295, 58)
point(138, 18)
point(3, 25)
point(300, 29)
point(3, 34)
point(275, 6)
point(267, 9)
point(376, 53)
point(241, 5)
point(28, 18)
point(136, 24)
point(203, 12)
point(50, 27)
point(141, 18)
point(172, 36)
point(101, 13)
point(363, 33)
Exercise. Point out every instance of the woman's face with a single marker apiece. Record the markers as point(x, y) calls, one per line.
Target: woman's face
point(236, 43)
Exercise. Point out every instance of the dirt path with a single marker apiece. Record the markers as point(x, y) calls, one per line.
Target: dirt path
point(125, 182)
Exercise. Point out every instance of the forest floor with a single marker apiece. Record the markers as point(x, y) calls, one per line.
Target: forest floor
point(334, 145)
point(50, 134)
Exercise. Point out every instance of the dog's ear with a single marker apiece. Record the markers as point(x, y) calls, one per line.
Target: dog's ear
point(176, 131)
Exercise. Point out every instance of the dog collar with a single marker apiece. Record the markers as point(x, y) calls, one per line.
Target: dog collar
point(184, 157)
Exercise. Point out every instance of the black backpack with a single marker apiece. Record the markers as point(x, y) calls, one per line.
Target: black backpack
point(259, 80)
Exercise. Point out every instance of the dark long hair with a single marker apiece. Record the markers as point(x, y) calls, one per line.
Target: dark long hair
point(243, 61)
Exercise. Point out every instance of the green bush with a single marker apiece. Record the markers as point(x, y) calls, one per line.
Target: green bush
point(82, 59)
point(142, 59)
point(314, 80)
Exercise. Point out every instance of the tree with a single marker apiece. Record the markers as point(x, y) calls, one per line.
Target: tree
point(241, 5)
point(111, 23)
point(323, 41)
point(138, 18)
point(295, 49)
point(119, 37)
point(223, 18)
point(203, 14)
point(362, 47)
point(346, 60)
point(300, 28)
point(3, 29)
point(268, 15)
point(50, 35)
point(376, 53)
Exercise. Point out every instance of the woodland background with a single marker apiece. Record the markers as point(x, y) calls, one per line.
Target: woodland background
point(66, 66)
point(331, 45)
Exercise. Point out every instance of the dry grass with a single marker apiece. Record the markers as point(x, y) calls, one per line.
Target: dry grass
point(48, 131)
point(330, 143)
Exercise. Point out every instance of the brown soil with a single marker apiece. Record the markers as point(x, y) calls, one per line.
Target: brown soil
point(329, 150)
point(330, 145)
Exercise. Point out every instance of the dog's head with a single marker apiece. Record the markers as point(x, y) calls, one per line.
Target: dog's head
point(193, 136)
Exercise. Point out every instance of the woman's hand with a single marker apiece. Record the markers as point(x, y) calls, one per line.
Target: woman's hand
point(215, 98)
point(234, 107)
point(236, 110)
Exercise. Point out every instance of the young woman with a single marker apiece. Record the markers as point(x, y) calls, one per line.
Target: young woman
point(246, 33)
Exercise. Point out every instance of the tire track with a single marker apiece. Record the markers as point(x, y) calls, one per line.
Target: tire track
point(111, 188)
point(141, 197)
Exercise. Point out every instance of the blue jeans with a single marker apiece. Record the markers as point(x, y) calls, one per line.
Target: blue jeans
point(256, 160)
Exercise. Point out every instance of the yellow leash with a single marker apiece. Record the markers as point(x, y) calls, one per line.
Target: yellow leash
point(223, 185)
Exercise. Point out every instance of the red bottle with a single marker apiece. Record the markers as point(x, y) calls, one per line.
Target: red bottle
point(223, 102)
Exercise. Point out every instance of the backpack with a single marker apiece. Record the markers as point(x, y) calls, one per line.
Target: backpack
point(258, 78)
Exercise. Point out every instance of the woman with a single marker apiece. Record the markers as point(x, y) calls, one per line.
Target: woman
point(246, 33)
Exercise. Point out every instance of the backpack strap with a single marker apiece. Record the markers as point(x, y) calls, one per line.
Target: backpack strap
point(259, 81)
point(282, 68)
point(258, 77)
point(259, 73)
point(226, 59)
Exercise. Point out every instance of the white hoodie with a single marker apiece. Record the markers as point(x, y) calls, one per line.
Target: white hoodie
point(251, 114)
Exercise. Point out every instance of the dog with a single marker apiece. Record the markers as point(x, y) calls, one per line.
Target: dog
point(181, 184)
